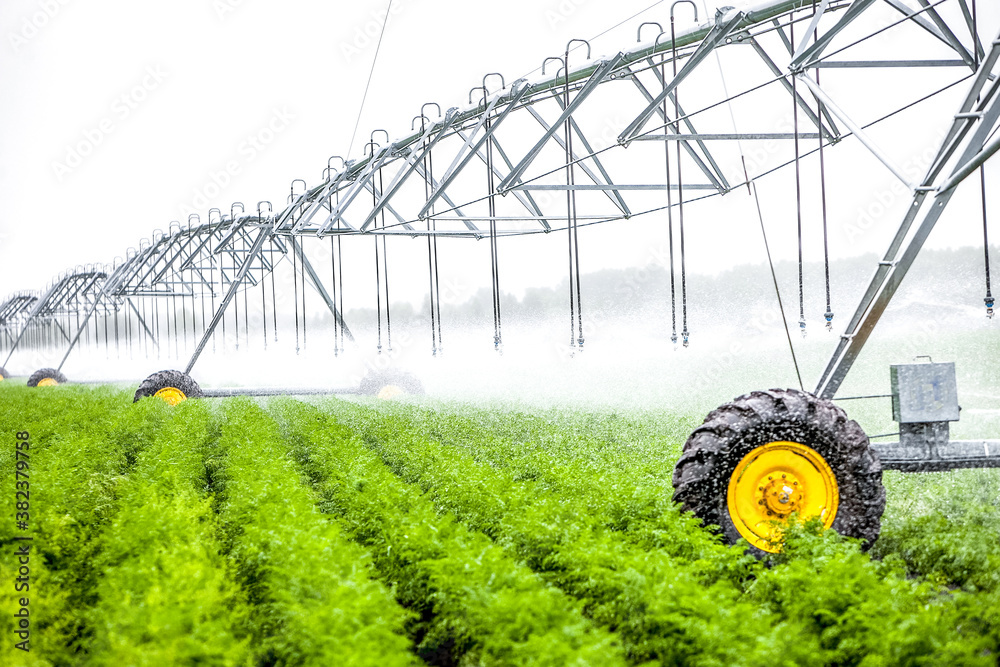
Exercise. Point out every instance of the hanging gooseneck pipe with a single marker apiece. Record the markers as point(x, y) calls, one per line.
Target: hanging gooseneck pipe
point(335, 261)
point(302, 263)
point(378, 279)
point(260, 216)
point(569, 201)
point(429, 169)
point(572, 223)
point(685, 334)
point(798, 181)
point(491, 204)
point(385, 252)
point(434, 285)
point(670, 203)
point(828, 315)
point(982, 179)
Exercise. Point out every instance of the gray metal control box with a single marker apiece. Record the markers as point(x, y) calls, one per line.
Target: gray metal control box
point(924, 393)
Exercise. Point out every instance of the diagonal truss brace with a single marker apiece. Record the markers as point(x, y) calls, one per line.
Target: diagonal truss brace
point(612, 194)
point(724, 26)
point(717, 178)
point(410, 165)
point(263, 234)
point(814, 51)
point(894, 266)
point(596, 78)
point(468, 152)
point(854, 128)
point(318, 285)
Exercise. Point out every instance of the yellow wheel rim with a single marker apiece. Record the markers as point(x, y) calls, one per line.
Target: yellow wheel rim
point(47, 382)
point(772, 482)
point(388, 392)
point(171, 395)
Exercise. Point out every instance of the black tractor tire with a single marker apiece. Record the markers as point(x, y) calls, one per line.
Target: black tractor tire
point(165, 379)
point(46, 374)
point(714, 450)
point(3, 373)
point(375, 381)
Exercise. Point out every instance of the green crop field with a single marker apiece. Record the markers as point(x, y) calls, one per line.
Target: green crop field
point(331, 532)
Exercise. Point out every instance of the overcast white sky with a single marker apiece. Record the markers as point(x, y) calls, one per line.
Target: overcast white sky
point(119, 116)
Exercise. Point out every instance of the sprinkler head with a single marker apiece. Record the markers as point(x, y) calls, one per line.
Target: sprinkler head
point(989, 307)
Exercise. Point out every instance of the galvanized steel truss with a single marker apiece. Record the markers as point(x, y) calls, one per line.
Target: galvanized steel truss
point(511, 147)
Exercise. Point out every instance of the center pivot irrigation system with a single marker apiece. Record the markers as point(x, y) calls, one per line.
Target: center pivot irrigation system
point(531, 157)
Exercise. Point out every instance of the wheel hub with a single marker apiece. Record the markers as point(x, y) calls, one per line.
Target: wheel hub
point(389, 392)
point(47, 382)
point(774, 481)
point(171, 395)
point(781, 493)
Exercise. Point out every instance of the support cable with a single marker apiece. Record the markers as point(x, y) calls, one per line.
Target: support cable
point(752, 190)
point(378, 47)
point(774, 279)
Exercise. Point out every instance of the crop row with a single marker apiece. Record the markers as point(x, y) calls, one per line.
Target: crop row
point(814, 604)
point(82, 445)
point(357, 534)
point(165, 594)
point(312, 598)
point(476, 604)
